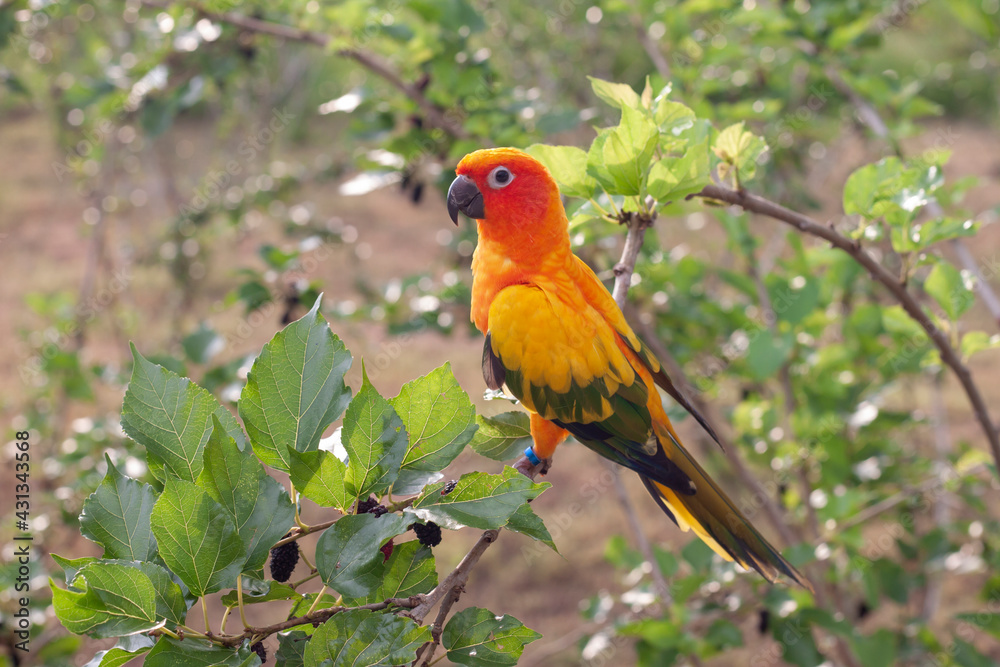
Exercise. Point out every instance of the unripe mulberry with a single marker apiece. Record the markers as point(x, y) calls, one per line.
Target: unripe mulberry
point(284, 558)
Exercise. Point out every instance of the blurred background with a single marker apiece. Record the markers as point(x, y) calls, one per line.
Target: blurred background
point(191, 175)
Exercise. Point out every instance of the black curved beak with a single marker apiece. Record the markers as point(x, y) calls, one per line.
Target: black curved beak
point(464, 196)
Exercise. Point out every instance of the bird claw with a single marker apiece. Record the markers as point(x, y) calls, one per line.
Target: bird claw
point(531, 470)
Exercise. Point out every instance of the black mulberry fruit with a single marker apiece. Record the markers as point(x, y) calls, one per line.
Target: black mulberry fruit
point(283, 561)
point(258, 648)
point(428, 534)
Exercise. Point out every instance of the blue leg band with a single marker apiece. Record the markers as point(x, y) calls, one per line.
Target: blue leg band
point(529, 453)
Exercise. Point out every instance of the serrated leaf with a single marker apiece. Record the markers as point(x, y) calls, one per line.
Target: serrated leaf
point(672, 118)
point(439, 419)
point(375, 441)
point(171, 417)
point(946, 286)
point(479, 500)
point(112, 601)
point(116, 516)
point(292, 648)
point(410, 570)
point(319, 476)
point(568, 165)
point(269, 590)
point(258, 505)
point(347, 554)
point(362, 638)
point(72, 566)
point(618, 95)
point(295, 389)
point(197, 538)
point(673, 178)
point(126, 650)
point(190, 652)
point(412, 482)
point(628, 150)
point(477, 636)
point(596, 167)
point(502, 437)
point(170, 602)
point(526, 522)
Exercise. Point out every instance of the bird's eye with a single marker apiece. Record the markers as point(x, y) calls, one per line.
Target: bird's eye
point(499, 178)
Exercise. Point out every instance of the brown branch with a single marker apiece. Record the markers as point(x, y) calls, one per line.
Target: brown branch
point(435, 116)
point(949, 356)
point(318, 616)
point(873, 121)
point(648, 45)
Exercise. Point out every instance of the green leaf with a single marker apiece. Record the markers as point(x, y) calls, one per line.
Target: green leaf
point(672, 118)
point(202, 344)
point(794, 299)
point(258, 505)
point(375, 441)
point(568, 165)
point(977, 341)
point(943, 229)
point(876, 650)
point(267, 591)
point(502, 437)
point(479, 500)
point(295, 389)
point(628, 150)
point(739, 149)
point(319, 476)
point(477, 636)
point(526, 522)
point(197, 538)
point(361, 638)
point(967, 655)
point(170, 601)
point(347, 554)
point(618, 95)
point(673, 178)
point(767, 352)
point(869, 184)
point(723, 634)
point(989, 621)
point(127, 649)
point(116, 516)
point(291, 649)
point(189, 652)
point(439, 419)
point(410, 570)
point(946, 286)
point(116, 600)
point(171, 417)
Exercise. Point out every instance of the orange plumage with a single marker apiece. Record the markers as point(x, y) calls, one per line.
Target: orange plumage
point(558, 342)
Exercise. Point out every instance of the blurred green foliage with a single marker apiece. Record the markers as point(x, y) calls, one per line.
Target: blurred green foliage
point(815, 370)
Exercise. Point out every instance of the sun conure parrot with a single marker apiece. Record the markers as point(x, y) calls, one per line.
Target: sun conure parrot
point(558, 342)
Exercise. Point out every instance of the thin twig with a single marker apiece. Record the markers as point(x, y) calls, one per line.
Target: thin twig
point(435, 116)
point(949, 356)
point(659, 581)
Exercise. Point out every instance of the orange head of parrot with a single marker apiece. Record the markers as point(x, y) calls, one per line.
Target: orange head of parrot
point(506, 189)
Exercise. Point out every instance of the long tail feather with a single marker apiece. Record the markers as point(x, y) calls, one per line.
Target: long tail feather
point(715, 519)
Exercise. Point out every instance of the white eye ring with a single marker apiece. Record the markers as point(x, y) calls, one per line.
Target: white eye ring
point(500, 177)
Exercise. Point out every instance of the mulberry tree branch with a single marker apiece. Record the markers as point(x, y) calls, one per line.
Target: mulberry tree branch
point(949, 356)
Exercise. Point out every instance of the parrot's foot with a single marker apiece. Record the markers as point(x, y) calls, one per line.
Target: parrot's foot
point(531, 466)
